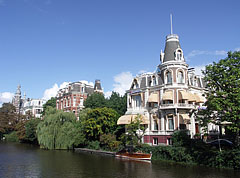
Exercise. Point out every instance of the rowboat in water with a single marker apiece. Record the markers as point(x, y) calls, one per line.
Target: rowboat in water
point(135, 156)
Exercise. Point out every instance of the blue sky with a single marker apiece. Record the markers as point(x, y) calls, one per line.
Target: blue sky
point(44, 43)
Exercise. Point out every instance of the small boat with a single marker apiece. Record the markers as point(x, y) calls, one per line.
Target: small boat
point(132, 155)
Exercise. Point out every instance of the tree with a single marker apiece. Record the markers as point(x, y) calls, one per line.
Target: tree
point(57, 130)
point(135, 132)
point(50, 103)
point(98, 121)
point(118, 103)
point(8, 119)
point(223, 98)
point(96, 100)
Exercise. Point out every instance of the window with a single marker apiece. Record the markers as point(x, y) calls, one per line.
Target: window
point(74, 101)
point(170, 123)
point(180, 77)
point(169, 77)
point(178, 55)
point(155, 125)
point(81, 102)
point(169, 140)
point(154, 81)
point(137, 100)
point(155, 141)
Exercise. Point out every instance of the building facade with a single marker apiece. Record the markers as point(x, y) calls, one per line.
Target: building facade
point(168, 98)
point(33, 107)
point(27, 106)
point(71, 98)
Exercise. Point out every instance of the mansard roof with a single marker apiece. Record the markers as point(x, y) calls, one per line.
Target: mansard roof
point(172, 43)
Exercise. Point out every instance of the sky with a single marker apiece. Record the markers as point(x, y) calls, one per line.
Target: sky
point(45, 44)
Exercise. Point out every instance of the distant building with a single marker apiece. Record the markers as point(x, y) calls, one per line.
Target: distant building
point(167, 98)
point(27, 106)
point(33, 107)
point(71, 98)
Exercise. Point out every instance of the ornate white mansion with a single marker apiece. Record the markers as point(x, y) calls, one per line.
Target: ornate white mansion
point(167, 98)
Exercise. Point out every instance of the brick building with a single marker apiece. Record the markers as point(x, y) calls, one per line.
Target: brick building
point(71, 98)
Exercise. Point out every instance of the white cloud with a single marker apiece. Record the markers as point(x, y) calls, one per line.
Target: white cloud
point(122, 82)
point(198, 69)
point(52, 92)
point(199, 52)
point(107, 94)
point(220, 53)
point(237, 49)
point(6, 97)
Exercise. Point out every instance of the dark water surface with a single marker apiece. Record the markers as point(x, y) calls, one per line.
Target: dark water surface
point(20, 160)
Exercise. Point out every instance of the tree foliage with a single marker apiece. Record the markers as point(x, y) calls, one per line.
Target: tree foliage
point(58, 130)
point(223, 98)
point(49, 103)
point(118, 103)
point(8, 119)
point(96, 100)
point(135, 132)
point(97, 122)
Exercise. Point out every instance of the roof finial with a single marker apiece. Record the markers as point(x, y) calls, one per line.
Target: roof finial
point(171, 24)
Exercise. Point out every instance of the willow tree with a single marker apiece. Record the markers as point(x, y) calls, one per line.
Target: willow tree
point(57, 131)
point(223, 98)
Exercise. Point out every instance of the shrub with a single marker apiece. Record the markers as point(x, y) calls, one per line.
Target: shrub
point(95, 145)
point(12, 137)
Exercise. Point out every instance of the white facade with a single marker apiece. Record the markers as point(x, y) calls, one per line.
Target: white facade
point(33, 107)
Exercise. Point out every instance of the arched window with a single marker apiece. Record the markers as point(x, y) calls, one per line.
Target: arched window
point(180, 77)
point(169, 77)
point(178, 55)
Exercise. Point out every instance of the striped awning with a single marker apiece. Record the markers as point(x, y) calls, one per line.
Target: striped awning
point(168, 95)
point(127, 119)
point(192, 97)
point(183, 95)
point(185, 116)
point(153, 98)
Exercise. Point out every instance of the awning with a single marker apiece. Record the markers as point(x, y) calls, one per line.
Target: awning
point(126, 119)
point(183, 95)
point(153, 98)
point(192, 97)
point(168, 95)
point(185, 116)
point(225, 123)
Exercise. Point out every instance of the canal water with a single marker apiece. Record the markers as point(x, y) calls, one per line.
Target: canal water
point(21, 160)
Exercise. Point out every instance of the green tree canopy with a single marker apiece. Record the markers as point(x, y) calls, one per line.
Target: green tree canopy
point(50, 103)
point(135, 132)
point(8, 119)
point(223, 98)
point(118, 103)
point(57, 130)
point(96, 100)
point(98, 121)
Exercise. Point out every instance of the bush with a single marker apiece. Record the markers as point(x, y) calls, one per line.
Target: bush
point(109, 142)
point(95, 145)
point(12, 137)
point(181, 138)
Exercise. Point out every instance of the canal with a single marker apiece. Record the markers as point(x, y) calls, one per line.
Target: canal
point(21, 160)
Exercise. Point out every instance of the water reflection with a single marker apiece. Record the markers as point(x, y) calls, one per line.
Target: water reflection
point(19, 160)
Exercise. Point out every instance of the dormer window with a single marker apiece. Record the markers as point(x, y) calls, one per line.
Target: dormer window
point(154, 81)
point(135, 84)
point(178, 55)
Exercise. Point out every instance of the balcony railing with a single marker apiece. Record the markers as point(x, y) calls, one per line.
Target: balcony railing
point(178, 105)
